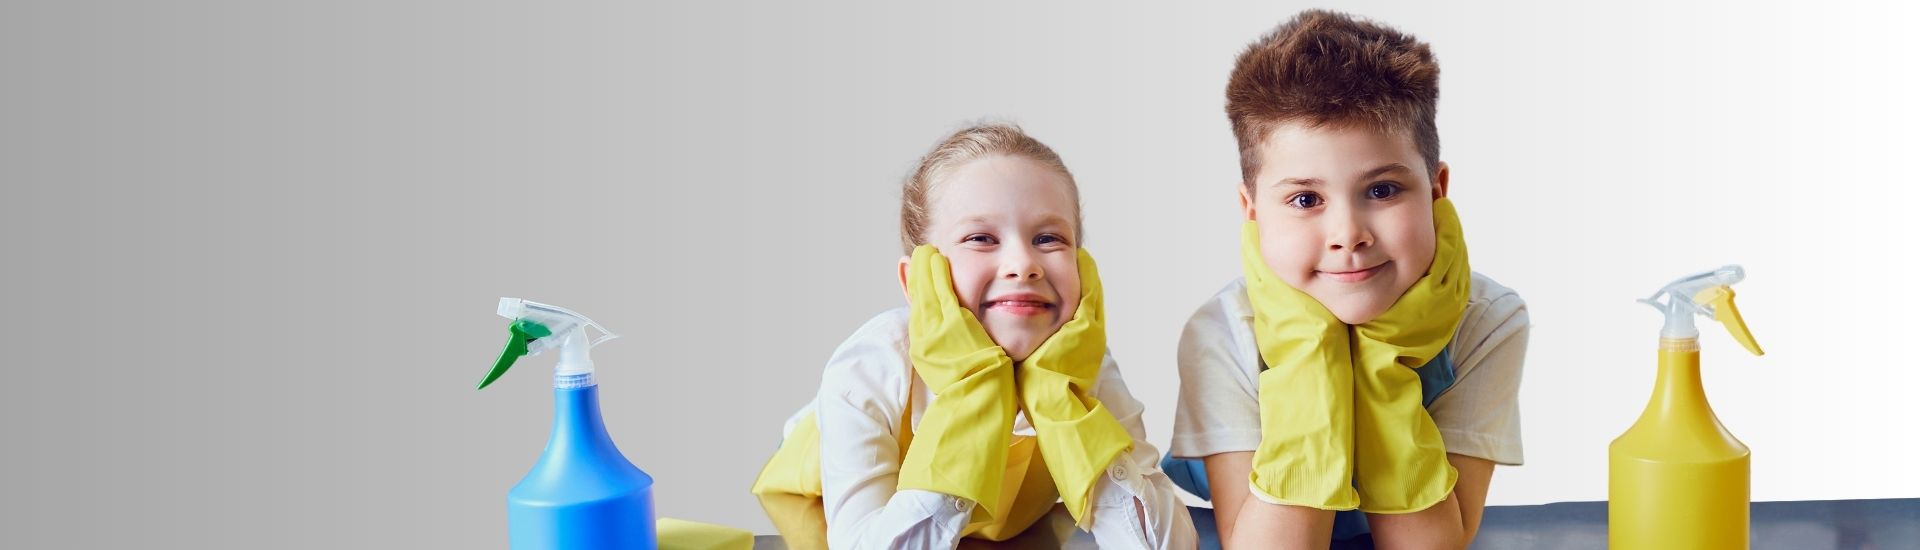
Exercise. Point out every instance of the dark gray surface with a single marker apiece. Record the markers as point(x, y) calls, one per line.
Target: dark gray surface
point(1795, 525)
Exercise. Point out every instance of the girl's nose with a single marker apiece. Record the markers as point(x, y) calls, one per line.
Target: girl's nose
point(1020, 264)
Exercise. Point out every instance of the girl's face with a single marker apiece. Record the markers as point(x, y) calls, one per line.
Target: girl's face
point(1345, 215)
point(1006, 224)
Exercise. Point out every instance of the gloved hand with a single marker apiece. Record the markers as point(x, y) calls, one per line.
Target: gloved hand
point(1401, 462)
point(960, 445)
point(1305, 457)
point(1077, 435)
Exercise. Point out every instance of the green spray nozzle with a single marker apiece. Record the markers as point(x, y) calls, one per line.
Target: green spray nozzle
point(524, 332)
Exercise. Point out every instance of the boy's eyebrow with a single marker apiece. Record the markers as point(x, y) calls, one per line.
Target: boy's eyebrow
point(1388, 168)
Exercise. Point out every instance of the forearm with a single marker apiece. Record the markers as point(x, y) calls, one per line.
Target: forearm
point(1437, 528)
point(1260, 524)
point(1451, 524)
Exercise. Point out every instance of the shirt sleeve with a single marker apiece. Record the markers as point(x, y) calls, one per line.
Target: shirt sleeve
point(862, 399)
point(1135, 505)
point(1479, 416)
point(1219, 405)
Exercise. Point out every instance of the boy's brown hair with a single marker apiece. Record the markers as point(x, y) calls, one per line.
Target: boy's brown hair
point(1327, 68)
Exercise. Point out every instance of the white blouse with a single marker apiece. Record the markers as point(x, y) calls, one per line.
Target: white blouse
point(863, 393)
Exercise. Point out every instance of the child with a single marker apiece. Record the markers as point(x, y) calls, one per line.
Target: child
point(991, 397)
point(1359, 364)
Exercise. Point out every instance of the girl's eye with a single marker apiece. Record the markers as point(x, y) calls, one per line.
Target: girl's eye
point(980, 238)
point(1382, 191)
point(1304, 201)
point(1048, 239)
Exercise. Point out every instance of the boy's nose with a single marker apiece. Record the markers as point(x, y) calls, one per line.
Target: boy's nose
point(1348, 233)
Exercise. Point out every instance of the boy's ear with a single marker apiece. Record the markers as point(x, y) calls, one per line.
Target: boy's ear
point(904, 262)
point(1246, 201)
point(1440, 182)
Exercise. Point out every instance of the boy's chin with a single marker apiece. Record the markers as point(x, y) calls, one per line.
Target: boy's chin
point(1357, 311)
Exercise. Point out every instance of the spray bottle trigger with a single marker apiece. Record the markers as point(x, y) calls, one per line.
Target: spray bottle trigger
point(524, 331)
point(1720, 300)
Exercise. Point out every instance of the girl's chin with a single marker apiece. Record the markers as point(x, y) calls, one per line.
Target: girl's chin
point(1019, 342)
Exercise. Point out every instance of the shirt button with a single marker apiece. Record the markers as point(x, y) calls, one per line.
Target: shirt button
point(959, 504)
point(1118, 470)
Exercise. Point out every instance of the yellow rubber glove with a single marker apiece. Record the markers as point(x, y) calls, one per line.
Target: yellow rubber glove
point(1078, 436)
point(1340, 406)
point(1305, 457)
point(1400, 461)
point(960, 446)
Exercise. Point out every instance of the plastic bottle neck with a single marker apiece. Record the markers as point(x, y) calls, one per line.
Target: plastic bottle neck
point(1678, 384)
point(577, 426)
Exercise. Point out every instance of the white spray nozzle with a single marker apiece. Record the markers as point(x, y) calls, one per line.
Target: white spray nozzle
point(568, 333)
point(1708, 293)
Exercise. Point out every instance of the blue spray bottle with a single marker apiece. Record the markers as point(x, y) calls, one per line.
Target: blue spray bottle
point(582, 494)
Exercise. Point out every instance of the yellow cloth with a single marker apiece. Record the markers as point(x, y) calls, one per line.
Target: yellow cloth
point(789, 488)
point(1340, 405)
point(1077, 434)
point(677, 534)
point(956, 446)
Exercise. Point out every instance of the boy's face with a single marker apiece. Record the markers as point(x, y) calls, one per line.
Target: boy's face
point(1344, 214)
point(1006, 225)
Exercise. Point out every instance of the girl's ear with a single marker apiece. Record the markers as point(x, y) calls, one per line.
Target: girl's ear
point(904, 262)
point(1440, 182)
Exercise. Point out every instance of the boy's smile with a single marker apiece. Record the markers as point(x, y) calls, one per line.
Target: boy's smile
point(1345, 214)
point(1354, 276)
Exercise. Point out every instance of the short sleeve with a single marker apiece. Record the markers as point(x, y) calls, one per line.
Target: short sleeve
point(1479, 416)
point(1219, 405)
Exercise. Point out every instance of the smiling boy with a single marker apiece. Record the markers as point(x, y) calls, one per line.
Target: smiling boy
point(1349, 228)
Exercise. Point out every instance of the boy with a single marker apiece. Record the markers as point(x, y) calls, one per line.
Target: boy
point(1359, 365)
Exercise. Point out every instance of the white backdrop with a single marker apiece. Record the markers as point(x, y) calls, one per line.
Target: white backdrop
point(259, 245)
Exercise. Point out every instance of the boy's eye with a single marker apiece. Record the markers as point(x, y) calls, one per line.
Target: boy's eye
point(1304, 200)
point(1382, 191)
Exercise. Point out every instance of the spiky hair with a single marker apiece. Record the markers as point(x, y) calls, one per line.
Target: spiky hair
point(1324, 68)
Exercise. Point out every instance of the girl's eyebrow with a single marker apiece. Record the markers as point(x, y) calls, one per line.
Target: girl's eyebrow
point(979, 219)
point(1053, 219)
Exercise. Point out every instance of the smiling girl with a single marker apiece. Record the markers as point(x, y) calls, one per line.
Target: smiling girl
point(991, 397)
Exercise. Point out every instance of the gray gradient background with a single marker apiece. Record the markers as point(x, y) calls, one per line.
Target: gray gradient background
point(251, 250)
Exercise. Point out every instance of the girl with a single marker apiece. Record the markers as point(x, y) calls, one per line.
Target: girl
point(991, 397)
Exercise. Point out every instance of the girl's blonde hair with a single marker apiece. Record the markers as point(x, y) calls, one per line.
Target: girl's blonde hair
point(967, 145)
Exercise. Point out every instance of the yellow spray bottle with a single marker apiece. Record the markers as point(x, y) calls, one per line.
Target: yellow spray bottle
point(1677, 478)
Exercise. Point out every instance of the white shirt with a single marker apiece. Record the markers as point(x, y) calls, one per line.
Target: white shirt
point(863, 394)
point(1479, 416)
